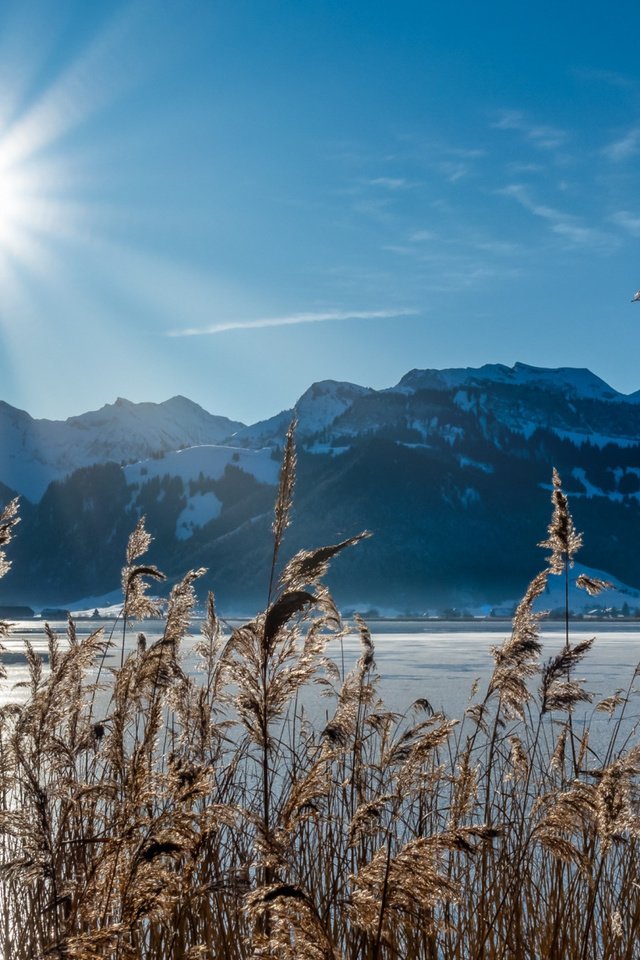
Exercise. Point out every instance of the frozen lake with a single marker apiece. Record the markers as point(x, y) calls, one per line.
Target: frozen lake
point(436, 660)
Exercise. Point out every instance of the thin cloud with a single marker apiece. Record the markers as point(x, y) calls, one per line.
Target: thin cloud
point(432, 153)
point(608, 77)
point(625, 147)
point(422, 236)
point(516, 168)
point(540, 135)
point(564, 224)
point(467, 153)
point(291, 320)
point(454, 170)
point(509, 120)
point(628, 221)
point(574, 232)
point(462, 261)
point(501, 248)
point(392, 183)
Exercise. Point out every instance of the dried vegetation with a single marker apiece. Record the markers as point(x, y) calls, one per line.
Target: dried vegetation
point(147, 813)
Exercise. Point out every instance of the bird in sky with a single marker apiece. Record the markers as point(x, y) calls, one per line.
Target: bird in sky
point(636, 296)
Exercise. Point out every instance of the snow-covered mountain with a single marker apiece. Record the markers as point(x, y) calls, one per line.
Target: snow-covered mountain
point(35, 452)
point(316, 410)
point(450, 470)
point(574, 403)
point(579, 382)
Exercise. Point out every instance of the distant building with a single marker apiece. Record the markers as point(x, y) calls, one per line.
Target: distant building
point(54, 613)
point(16, 613)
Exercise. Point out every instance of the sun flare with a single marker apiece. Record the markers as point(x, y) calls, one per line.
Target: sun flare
point(31, 215)
point(14, 207)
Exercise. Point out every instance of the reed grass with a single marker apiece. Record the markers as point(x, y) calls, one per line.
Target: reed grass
point(215, 818)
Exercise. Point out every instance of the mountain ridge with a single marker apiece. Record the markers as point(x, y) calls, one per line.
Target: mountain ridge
point(578, 379)
point(35, 452)
point(449, 469)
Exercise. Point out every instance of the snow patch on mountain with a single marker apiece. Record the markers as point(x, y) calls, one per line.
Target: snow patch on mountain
point(206, 460)
point(590, 490)
point(468, 496)
point(424, 428)
point(451, 434)
point(200, 509)
point(327, 449)
point(578, 438)
point(475, 464)
point(463, 401)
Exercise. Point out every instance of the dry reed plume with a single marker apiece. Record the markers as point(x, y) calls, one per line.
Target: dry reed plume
point(147, 813)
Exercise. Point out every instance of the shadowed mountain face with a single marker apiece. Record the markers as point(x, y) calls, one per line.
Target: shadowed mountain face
point(450, 470)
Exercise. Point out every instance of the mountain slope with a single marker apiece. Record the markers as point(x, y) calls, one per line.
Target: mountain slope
point(35, 452)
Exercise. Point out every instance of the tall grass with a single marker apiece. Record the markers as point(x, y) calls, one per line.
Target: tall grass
point(148, 814)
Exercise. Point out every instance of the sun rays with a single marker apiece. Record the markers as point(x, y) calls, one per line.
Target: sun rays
point(44, 159)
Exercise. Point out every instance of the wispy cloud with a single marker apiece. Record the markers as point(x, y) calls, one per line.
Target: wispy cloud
point(625, 147)
point(540, 135)
point(501, 248)
point(608, 77)
point(422, 236)
point(428, 247)
point(292, 319)
point(454, 170)
point(628, 221)
point(392, 183)
point(467, 153)
point(457, 260)
point(518, 168)
point(563, 224)
point(433, 154)
point(377, 208)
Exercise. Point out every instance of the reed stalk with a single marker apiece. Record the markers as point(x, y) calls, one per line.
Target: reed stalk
point(148, 813)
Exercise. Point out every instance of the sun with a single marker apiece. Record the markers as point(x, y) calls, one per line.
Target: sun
point(15, 207)
point(29, 208)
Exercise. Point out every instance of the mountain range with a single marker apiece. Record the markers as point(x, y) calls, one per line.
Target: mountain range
point(449, 469)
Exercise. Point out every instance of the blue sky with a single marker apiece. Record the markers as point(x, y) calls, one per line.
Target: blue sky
point(230, 200)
